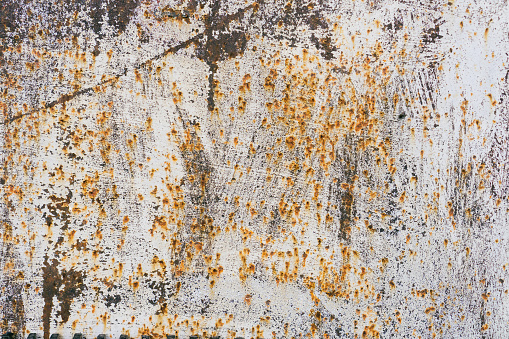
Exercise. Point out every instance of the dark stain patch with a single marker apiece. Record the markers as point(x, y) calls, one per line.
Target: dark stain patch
point(316, 21)
point(346, 209)
point(310, 14)
point(394, 26)
point(432, 34)
point(295, 13)
point(119, 13)
point(212, 86)
point(58, 209)
point(225, 46)
point(96, 12)
point(182, 14)
point(8, 17)
point(66, 286)
point(171, 13)
point(112, 300)
point(325, 46)
point(72, 287)
point(60, 17)
point(299, 12)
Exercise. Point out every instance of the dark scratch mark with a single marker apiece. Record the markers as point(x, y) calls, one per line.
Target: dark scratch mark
point(67, 97)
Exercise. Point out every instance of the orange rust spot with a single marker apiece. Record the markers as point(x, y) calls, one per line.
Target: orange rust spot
point(402, 197)
point(429, 310)
point(138, 76)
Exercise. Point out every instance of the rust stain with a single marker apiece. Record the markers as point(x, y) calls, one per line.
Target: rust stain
point(65, 285)
point(248, 157)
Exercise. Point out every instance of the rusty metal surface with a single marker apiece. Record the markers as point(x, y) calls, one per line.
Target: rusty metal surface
point(270, 169)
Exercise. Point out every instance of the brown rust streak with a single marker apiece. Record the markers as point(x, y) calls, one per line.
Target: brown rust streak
point(65, 285)
point(51, 284)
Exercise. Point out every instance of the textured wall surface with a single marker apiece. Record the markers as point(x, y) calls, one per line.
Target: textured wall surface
point(269, 169)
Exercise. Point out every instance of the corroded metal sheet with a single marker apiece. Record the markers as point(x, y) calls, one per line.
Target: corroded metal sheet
point(269, 169)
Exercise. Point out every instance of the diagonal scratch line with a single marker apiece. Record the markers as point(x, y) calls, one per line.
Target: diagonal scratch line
point(173, 49)
point(62, 100)
point(67, 97)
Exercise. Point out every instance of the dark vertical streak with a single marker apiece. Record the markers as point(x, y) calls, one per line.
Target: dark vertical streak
point(50, 286)
point(211, 50)
point(212, 86)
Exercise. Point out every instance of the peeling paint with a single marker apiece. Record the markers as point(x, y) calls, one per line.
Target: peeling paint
point(259, 169)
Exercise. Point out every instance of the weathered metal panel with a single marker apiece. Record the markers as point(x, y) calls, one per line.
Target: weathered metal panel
point(254, 169)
